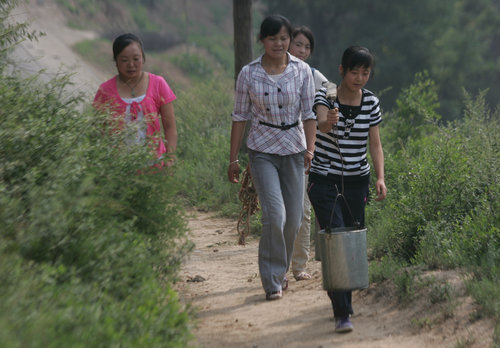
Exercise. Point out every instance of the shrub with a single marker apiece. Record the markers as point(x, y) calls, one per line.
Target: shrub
point(89, 237)
point(441, 209)
point(194, 65)
point(414, 115)
point(383, 269)
point(11, 32)
point(38, 310)
point(204, 126)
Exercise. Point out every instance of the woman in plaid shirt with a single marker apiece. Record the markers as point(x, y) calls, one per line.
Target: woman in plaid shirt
point(275, 93)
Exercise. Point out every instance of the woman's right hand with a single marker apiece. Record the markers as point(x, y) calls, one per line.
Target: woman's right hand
point(233, 172)
point(327, 118)
point(332, 116)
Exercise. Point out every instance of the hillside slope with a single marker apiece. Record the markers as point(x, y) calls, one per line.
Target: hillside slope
point(53, 52)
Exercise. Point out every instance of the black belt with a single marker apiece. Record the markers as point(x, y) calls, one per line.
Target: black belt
point(283, 126)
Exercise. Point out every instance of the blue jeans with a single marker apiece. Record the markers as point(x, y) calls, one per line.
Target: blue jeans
point(333, 211)
point(279, 182)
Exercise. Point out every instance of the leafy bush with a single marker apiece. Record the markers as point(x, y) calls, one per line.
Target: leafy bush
point(38, 310)
point(219, 47)
point(88, 237)
point(194, 65)
point(406, 282)
point(415, 114)
point(11, 32)
point(383, 269)
point(204, 126)
point(487, 294)
point(443, 189)
point(442, 207)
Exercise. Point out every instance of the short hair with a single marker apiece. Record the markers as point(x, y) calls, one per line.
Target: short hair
point(272, 24)
point(123, 41)
point(355, 56)
point(306, 32)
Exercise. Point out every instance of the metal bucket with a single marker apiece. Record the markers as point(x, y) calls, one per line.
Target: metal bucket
point(316, 230)
point(344, 260)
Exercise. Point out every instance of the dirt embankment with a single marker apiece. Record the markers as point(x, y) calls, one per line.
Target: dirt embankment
point(53, 52)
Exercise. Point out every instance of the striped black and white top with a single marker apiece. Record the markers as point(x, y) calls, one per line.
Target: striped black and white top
point(350, 156)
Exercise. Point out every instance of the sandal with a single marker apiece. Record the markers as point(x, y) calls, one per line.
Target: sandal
point(302, 276)
point(275, 295)
point(284, 286)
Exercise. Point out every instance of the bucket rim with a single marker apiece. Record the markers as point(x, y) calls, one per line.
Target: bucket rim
point(342, 230)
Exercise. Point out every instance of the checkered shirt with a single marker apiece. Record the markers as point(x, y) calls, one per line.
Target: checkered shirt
point(286, 101)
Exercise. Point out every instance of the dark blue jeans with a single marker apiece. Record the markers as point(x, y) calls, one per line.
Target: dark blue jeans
point(335, 210)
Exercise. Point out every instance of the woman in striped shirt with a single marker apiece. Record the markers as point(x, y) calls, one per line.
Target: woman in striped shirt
point(275, 93)
point(347, 125)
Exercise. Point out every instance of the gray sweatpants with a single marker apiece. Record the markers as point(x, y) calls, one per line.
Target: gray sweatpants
point(279, 182)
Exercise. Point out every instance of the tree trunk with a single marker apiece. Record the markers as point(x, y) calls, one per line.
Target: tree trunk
point(242, 21)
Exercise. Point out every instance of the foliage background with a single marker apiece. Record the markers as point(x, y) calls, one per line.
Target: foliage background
point(456, 41)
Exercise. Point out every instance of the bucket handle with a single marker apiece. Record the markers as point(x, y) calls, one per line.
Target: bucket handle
point(333, 100)
point(357, 224)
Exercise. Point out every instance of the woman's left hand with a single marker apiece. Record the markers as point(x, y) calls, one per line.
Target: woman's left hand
point(381, 190)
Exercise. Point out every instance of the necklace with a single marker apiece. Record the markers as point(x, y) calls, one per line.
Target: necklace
point(274, 69)
point(349, 114)
point(132, 88)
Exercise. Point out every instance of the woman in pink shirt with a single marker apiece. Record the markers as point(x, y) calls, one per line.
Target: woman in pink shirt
point(135, 95)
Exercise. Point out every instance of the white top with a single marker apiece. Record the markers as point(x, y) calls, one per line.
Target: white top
point(140, 136)
point(319, 78)
point(276, 77)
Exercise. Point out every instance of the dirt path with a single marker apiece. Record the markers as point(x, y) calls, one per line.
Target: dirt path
point(233, 312)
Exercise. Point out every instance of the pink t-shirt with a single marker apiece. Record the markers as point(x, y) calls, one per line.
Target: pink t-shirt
point(157, 94)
